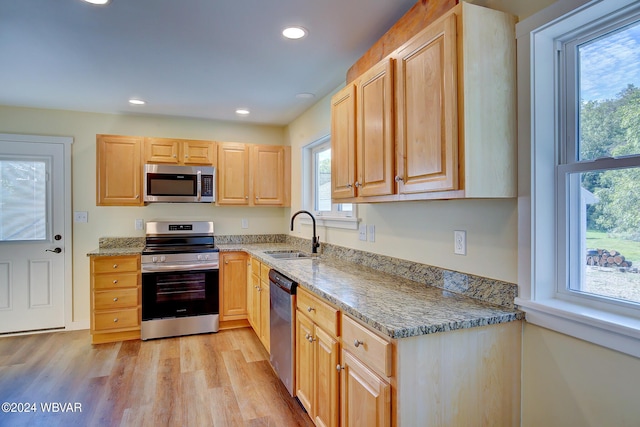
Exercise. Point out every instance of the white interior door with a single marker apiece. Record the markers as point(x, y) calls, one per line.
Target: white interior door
point(32, 235)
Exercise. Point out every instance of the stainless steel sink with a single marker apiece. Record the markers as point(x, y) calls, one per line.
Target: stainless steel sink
point(288, 254)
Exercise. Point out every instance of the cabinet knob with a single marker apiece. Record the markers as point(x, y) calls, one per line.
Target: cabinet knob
point(246, 197)
point(115, 281)
point(115, 299)
point(310, 309)
point(226, 262)
point(349, 185)
point(357, 343)
point(186, 156)
point(357, 184)
point(339, 368)
point(115, 265)
point(115, 320)
point(257, 198)
point(398, 178)
point(174, 156)
point(137, 196)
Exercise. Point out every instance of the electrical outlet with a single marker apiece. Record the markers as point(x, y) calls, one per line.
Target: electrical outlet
point(244, 223)
point(460, 242)
point(80, 216)
point(139, 224)
point(371, 229)
point(362, 232)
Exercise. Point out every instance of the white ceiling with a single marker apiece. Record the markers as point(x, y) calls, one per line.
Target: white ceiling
point(189, 58)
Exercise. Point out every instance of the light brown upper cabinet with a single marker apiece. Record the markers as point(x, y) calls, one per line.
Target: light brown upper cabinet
point(179, 151)
point(253, 175)
point(452, 109)
point(119, 170)
point(363, 135)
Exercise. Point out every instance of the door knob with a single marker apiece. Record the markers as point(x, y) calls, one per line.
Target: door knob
point(56, 250)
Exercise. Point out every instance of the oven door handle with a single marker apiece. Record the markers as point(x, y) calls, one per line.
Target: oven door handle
point(180, 267)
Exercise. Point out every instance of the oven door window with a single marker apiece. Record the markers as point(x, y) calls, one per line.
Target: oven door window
point(179, 294)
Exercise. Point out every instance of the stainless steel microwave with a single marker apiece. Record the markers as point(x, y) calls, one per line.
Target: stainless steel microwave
point(179, 184)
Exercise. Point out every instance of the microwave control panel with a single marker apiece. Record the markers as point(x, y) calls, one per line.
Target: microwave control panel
point(207, 185)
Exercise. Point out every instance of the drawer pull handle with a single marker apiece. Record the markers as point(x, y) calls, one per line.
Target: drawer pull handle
point(357, 343)
point(115, 281)
point(339, 368)
point(115, 320)
point(115, 299)
point(310, 309)
point(115, 265)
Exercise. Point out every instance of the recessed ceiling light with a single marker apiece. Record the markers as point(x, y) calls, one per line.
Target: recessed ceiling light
point(134, 101)
point(242, 111)
point(305, 95)
point(97, 1)
point(294, 33)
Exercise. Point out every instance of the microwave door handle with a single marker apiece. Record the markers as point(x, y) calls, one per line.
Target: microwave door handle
point(199, 186)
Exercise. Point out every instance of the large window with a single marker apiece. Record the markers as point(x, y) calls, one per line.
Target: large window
point(579, 220)
point(317, 188)
point(599, 163)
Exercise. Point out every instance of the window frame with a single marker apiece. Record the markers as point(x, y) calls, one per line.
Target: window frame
point(334, 218)
point(542, 234)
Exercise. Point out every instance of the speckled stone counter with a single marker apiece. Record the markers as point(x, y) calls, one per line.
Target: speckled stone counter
point(396, 306)
point(114, 246)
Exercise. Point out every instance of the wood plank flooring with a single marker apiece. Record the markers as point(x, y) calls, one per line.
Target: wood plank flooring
point(221, 379)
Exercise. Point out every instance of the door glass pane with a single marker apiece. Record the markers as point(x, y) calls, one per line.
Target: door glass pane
point(609, 91)
point(23, 200)
point(607, 224)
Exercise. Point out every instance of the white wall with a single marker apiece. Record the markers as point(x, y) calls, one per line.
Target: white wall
point(107, 221)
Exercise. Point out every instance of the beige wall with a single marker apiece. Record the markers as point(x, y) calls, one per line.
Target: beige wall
point(119, 221)
point(569, 382)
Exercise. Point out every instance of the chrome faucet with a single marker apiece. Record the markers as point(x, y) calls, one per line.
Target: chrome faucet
point(315, 241)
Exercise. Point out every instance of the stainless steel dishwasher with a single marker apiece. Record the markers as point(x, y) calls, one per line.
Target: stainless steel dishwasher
point(282, 293)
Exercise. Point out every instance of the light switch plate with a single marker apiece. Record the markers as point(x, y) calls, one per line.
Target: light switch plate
point(139, 224)
point(244, 222)
point(81, 216)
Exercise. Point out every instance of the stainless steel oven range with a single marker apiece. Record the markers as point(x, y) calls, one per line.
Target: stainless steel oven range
point(179, 279)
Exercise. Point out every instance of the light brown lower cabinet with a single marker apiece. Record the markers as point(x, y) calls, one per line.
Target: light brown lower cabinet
point(317, 356)
point(258, 300)
point(115, 298)
point(233, 290)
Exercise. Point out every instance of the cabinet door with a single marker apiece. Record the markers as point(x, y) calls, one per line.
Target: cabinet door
point(265, 317)
point(254, 304)
point(343, 143)
point(198, 153)
point(268, 164)
point(427, 125)
point(375, 136)
point(233, 289)
point(119, 170)
point(366, 399)
point(305, 362)
point(233, 174)
point(327, 385)
point(162, 150)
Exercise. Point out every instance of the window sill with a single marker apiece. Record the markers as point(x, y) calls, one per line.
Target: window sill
point(345, 223)
point(616, 332)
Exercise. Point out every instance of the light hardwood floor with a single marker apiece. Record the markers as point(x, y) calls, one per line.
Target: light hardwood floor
point(221, 379)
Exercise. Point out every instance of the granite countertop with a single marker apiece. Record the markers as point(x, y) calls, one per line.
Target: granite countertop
point(397, 307)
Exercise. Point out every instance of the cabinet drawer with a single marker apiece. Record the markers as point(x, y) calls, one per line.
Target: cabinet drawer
point(255, 267)
point(319, 311)
point(115, 299)
point(264, 272)
point(108, 264)
point(116, 319)
point(117, 280)
point(373, 350)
